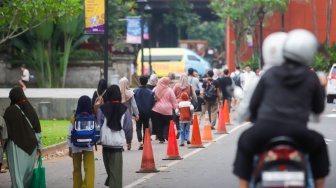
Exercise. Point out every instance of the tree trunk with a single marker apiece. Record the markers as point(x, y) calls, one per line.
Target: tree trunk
point(329, 8)
point(313, 10)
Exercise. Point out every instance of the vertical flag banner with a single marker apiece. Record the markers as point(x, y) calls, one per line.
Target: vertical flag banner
point(94, 16)
point(134, 31)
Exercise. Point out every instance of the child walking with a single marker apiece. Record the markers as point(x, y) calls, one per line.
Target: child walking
point(79, 154)
point(185, 110)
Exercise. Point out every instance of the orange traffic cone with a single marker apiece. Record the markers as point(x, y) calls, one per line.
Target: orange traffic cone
point(207, 134)
point(172, 149)
point(196, 135)
point(226, 113)
point(221, 128)
point(147, 164)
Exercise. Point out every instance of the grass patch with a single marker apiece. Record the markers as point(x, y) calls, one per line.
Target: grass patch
point(54, 132)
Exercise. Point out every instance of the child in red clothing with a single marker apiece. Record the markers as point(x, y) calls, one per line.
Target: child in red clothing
point(185, 110)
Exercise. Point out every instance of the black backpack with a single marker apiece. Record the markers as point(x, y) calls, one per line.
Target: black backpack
point(210, 92)
point(236, 79)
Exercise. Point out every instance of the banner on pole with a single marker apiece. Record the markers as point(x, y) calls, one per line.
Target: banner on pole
point(134, 31)
point(94, 16)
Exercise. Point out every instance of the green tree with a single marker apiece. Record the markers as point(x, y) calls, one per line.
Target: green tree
point(243, 15)
point(181, 15)
point(212, 32)
point(18, 16)
point(42, 48)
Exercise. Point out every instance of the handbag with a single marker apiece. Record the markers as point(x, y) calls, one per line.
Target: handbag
point(38, 179)
point(192, 100)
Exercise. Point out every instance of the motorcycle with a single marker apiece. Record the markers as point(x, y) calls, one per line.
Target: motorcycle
point(282, 163)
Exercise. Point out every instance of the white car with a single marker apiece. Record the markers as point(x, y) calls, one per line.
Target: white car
point(331, 85)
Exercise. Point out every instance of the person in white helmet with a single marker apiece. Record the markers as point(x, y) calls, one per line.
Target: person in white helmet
point(272, 54)
point(280, 106)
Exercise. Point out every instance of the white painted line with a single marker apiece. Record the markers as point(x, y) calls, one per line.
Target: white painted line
point(147, 177)
point(330, 115)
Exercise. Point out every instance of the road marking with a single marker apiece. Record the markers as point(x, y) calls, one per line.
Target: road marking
point(327, 140)
point(330, 115)
point(147, 177)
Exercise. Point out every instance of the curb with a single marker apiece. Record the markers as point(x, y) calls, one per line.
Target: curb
point(47, 150)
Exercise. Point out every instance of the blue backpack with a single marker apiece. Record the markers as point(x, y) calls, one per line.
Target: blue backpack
point(85, 132)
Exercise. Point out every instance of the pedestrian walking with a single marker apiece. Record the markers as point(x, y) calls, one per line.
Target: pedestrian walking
point(145, 101)
point(193, 81)
point(185, 111)
point(172, 79)
point(200, 109)
point(247, 77)
point(3, 137)
point(153, 79)
point(163, 108)
point(99, 93)
point(128, 100)
point(236, 77)
point(226, 86)
point(25, 77)
point(81, 154)
point(24, 138)
point(117, 124)
point(181, 86)
point(212, 96)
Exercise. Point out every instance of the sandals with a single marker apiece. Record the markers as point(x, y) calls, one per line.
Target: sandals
point(3, 171)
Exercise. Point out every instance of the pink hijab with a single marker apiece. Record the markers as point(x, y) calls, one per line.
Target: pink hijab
point(126, 92)
point(161, 87)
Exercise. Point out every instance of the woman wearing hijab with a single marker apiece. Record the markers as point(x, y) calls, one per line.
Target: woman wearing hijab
point(102, 86)
point(172, 79)
point(128, 100)
point(79, 154)
point(182, 86)
point(117, 124)
point(163, 108)
point(24, 138)
point(152, 82)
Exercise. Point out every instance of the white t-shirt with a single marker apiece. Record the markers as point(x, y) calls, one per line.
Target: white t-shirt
point(247, 77)
point(25, 75)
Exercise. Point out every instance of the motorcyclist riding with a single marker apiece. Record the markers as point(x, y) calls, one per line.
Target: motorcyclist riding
point(280, 106)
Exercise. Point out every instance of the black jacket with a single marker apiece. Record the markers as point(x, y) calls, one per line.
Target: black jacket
point(287, 94)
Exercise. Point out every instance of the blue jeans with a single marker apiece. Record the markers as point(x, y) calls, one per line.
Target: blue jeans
point(184, 131)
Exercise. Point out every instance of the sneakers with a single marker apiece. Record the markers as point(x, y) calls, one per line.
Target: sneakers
point(129, 146)
point(181, 144)
point(188, 142)
point(141, 147)
point(212, 127)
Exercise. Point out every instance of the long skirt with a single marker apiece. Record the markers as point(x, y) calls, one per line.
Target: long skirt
point(21, 165)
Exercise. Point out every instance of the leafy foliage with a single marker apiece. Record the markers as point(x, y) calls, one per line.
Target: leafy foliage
point(18, 16)
point(212, 32)
point(325, 59)
point(243, 14)
point(181, 15)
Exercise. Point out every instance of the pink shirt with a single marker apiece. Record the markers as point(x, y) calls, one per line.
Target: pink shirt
point(166, 103)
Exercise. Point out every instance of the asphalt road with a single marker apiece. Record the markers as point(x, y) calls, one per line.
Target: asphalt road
point(204, 167)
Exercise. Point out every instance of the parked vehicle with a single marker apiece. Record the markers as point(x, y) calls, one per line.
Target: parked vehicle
point(282, 164)
point(331, 85)
point(177, 60)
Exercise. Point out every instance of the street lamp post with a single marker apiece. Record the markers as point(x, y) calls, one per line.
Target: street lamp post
point(261, 15)
point(145, 8)
point(105, 41)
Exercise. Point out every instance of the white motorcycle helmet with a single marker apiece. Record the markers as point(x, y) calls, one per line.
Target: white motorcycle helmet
point(301, 46)
point(272, 49)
